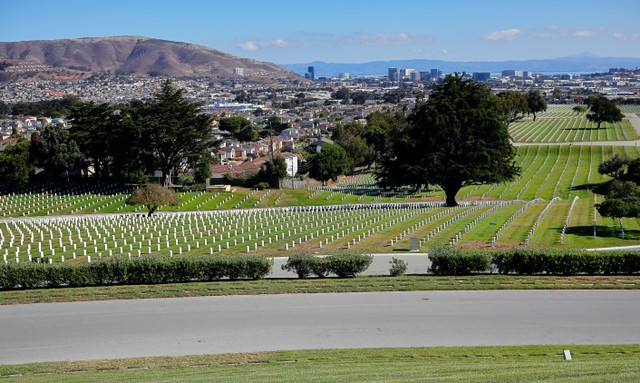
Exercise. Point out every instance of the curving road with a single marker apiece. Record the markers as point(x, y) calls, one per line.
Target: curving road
point(119, 329)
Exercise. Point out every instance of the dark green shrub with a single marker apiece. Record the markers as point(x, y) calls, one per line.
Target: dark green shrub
point(321, 267)
point(398, 267)
point(30, 275)
point(348, 265)
point(257, 267)
point(453, 261)
point(301, 264)
point(213, 268)
point(235, 267)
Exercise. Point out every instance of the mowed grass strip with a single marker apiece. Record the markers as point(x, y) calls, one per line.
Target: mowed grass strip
point(319, 285)
point(601, 363)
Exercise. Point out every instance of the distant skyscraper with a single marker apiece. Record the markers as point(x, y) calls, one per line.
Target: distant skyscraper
point(435, 74)
point(238, 71)
point(481, 76)
point(393, 74)
point(311, 73)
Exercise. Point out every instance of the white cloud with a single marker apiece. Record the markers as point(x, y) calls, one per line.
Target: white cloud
point(505, 35)
point(623, 36)
point(254, 45)
point(248, 46)
point(385, 39)
point(279, 43)
point(584, 34)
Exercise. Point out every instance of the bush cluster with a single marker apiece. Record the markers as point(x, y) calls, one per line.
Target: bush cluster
point(342, 265)
point(124, 270)
point(566, 262)
point(453, 261)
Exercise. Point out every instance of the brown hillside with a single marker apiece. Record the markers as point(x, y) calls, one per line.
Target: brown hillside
point(138, 55)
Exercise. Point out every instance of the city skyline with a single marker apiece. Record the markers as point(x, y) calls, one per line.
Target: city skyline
point(289, 32)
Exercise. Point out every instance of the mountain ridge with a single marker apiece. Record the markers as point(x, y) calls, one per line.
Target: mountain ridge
point(135, 55)
point(581, 63)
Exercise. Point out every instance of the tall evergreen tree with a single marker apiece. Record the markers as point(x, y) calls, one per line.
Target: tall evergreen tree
point(175, 129)
point(56, 153)
point(456, 138)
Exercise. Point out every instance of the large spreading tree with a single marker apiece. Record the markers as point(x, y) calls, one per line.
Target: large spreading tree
point(601, 109)
point(456, 138)
point(176, 130)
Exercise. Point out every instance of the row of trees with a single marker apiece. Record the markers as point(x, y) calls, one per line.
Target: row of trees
point(123, 142)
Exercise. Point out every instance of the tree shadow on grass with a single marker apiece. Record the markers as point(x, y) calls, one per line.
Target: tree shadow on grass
point(603, 232)
point(585, 128)
point(600, 188)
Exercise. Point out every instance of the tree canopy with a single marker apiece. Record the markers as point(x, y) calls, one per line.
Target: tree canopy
point(512, 104)
point(623, 192)
point(54, 151)
point(276, 170)
point(153, 196)
point(15, 167)
point(535, 102)
point(456, 138)
point(330, 163)
point(601, 109)
point(176, 130)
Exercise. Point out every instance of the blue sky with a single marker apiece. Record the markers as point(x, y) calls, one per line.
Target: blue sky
point(346, 31)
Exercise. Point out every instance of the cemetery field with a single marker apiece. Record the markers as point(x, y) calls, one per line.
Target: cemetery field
point(541, 364)
point(549, 204)
point(561, 124)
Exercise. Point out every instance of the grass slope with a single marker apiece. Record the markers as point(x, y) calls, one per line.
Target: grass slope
point(541, 364)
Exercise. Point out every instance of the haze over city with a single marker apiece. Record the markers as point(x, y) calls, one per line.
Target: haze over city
point(287, 31)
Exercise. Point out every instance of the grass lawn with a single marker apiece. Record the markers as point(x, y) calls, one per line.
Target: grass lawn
point(615, 363)
point(319, 285)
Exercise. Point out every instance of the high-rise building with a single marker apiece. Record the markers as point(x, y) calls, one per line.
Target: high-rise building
point(393, 74)
point(311, 73)
point(435, 74)
point(481, 76)
point(238, 71)
point(512, 73)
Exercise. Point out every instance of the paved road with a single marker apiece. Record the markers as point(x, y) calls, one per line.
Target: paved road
point(116, 329)
point(417, 263)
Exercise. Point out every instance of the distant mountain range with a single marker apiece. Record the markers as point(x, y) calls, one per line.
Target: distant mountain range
point(583, 63)
point(131, 55)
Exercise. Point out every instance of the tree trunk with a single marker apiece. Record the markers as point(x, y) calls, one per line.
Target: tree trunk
point(451, 189)
point(152, 210)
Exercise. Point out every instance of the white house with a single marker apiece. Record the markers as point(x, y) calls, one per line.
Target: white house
point(292, 163)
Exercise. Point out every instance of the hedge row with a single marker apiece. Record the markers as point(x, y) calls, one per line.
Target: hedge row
point(566, 262)
point(124, 270)
point(343, 265)
point(453, 261)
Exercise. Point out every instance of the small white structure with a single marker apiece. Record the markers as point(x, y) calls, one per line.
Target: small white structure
point(292, 163)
